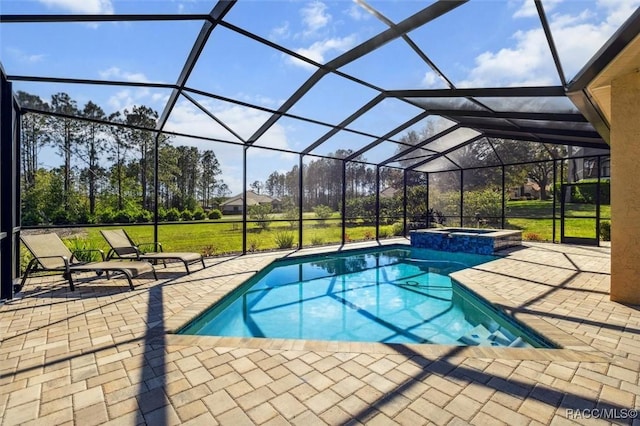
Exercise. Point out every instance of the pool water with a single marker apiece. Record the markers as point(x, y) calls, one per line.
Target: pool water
point(393, 295)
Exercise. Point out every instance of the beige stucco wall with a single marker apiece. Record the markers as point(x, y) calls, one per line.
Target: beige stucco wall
point(625, 190)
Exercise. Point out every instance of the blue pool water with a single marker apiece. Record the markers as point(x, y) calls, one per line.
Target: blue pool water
point(396, 294)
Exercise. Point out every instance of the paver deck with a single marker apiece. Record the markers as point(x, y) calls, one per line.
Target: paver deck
point(105, 355)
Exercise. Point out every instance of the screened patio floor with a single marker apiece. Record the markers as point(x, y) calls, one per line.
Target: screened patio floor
point(104, 355)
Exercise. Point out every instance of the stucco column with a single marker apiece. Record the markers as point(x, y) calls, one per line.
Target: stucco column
point(625, 189)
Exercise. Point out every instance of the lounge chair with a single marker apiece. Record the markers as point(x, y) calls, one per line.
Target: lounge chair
point(123, 247)
point(50, 254)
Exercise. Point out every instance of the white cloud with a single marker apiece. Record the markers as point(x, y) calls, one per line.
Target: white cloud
point(528, 8)
point(26, 57)
point(432, 80)
point(357, 13)
point(117, 73)
point(577, 37)
point(280, 33)
point(93, 7)
point(319, 49)
point(528, 63)
point(315, 17)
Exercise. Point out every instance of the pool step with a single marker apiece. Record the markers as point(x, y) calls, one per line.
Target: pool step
point(482, 336)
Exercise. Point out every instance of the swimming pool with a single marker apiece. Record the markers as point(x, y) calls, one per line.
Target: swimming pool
point(396, 294)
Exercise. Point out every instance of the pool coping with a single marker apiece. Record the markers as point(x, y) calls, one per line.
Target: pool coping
point(571, 348)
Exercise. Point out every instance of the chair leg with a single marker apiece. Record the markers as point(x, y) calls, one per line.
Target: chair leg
point(202, 260)
point(69, 277)
point(129, 279)
point(26, 275)
point(186, 265)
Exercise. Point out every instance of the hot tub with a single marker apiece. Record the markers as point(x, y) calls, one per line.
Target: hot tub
point(466, 240)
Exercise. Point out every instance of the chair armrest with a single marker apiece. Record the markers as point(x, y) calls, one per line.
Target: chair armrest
point(87, 251)
point(157, 246)
point(64, 259)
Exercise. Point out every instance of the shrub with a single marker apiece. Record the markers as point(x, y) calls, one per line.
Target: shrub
point(208, 250)
point(199, 214)
point(77, 245)
point(25, 258)
point(85, 217)
point(587, 193)
point(292, 214)
point(487, 203)
point(106, 216)
point(369, 235)
point(317, 240)
point(186, 215)
point(173, 215)
point(62, 217)
point(397, 228)
point(261, 213)
point(124, 216)
point(436, 217)
point(144, 216)
point(254, 245)
point(215, 214)
point(605, 230)
point(532, 236)
point(323, 213)
point(284, 239)
point(385, 232)
point(162, 214)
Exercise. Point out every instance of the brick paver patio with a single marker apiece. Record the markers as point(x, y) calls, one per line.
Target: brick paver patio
point(105, 355)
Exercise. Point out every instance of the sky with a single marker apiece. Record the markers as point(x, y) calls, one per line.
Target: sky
point(483, 43)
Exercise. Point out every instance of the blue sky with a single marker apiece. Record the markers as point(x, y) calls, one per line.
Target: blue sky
point(480, 44)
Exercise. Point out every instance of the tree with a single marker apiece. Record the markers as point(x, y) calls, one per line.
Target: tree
point(33, 136)
point(187, 177)
point(64, 134)
point(92, 145)
point(275, 185)
point(119, 148)
point(143, 116)
point(257, 186)
point(209, 182)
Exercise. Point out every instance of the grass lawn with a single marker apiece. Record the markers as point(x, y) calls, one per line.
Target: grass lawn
point(534, 218)
point(215, 238)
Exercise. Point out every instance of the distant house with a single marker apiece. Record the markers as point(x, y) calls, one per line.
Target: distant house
point(234, 204)
point(583, 164)
point(528, 191)
point(388, 192)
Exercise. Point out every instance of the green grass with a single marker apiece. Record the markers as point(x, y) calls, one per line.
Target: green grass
point(536, 217)
point(222, 238)
point(214, 237)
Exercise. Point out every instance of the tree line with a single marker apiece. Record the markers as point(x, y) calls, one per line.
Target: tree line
point(107, 171)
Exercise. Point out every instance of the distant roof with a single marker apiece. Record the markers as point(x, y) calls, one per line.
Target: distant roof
point(253, 198)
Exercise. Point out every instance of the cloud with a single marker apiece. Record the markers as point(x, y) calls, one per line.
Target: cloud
point(314, 17)
point(21, 56)
point(529, 62)
point(528, 8)
point(280, 33)
point(117, 73)
point(432, 80)
point(357, 13)
point(93, 7)
point(319, 49)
